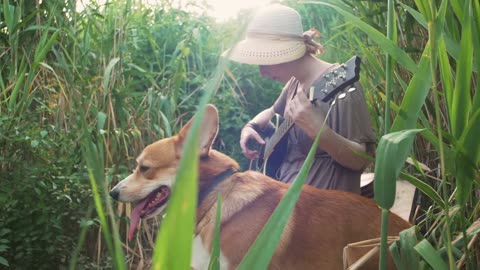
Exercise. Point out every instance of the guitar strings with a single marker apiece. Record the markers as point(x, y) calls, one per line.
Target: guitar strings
point(328, 112)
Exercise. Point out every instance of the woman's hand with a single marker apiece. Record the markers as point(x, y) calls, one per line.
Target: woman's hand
point(248, 133)
point(304, 114)
point(310, 118)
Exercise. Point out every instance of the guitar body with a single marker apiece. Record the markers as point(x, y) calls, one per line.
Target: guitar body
point(269, 165)
point(275, 148)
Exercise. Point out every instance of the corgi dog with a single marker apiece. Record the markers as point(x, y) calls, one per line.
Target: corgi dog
point(321, 225)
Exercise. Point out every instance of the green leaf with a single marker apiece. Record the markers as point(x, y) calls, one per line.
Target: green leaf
point(446, 74)
point(93, 154)
point(108, 73)
point(42, 50)
point(392, 152)
point(425, 9)
point(34, 143)
point(415, 14)
point(469, 141)
point(3, 248)
point(174, 241)
point(4, 231)
point(376, 36)
point(173, 246)
point(430, 255)
point(4, 261)
point(214, 258)
point(9, 13)
point(101, 119)
point(424, 188)
point(407, 242)
point(397, 259)
point(16, 88)
point(462, 100)
point(415, 95)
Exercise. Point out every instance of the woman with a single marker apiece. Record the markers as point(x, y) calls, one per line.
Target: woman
point(276, 43)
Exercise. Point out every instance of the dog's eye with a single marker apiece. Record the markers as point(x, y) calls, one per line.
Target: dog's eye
point(143, 168)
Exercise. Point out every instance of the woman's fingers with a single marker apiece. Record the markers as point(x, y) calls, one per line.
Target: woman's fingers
point(248, 134)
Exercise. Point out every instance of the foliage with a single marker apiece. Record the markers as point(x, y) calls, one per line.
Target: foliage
point(119, 76)
point(421, 100)
point(4, 245)
point(132, 74)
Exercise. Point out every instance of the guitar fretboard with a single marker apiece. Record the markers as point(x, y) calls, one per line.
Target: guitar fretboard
point(286, 125)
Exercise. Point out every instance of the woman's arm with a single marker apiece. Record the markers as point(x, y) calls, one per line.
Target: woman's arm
point(249, 131)
point(343, 150)
point(311, 118)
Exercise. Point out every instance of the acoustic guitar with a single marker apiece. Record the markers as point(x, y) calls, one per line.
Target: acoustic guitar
point(275, 147)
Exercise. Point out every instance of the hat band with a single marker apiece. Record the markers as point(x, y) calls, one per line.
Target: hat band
point(275, 36)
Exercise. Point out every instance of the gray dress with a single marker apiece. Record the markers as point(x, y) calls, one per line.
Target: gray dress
point(349, 118)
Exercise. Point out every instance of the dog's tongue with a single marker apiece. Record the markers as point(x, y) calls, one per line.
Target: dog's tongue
point(135, 217)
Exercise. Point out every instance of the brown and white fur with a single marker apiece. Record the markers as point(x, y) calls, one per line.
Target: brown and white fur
point(322, 224)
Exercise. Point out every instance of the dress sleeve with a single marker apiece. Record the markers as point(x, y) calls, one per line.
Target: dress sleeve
point(350, 117)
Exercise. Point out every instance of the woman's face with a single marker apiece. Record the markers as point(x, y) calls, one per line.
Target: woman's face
point(278, 72)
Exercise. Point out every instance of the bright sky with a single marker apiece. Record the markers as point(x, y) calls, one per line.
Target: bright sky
point(221, 9)
point(224, 9)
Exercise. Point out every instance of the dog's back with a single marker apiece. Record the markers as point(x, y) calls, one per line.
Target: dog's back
point(322, 224)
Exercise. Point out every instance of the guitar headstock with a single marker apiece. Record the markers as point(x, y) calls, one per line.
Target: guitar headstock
point(336, 80)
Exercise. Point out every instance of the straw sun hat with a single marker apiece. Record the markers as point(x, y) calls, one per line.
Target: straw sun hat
point(275, 35)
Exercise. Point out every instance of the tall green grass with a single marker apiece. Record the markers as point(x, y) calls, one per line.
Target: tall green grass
point(122, 75)
point(454, 96)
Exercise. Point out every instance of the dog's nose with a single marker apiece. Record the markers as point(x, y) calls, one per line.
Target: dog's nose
point(114, 193)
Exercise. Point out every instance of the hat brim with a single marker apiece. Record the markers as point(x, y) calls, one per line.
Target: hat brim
point(258, 51)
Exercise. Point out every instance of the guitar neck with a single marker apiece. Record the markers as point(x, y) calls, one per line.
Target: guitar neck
point(325, 91)
point(286, 125)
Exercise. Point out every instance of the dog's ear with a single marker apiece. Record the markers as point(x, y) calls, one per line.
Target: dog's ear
point(208, 131)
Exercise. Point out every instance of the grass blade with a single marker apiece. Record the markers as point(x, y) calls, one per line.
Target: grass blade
point(43, 49)
point(108, 73)
point(461, 103)
point(173, 247)
point(392, 152)
point(415, 14)
point(389, 64)
point(16, 90)
point(430, 255)
point(94, 156)
point(404, 255)
point(387, 45)
point(424, 188)
point(174, 241)
point(215, 257)
point(415, 95)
